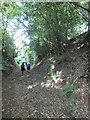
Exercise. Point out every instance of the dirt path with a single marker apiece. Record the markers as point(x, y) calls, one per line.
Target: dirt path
point(24, 97)
point(33, 96)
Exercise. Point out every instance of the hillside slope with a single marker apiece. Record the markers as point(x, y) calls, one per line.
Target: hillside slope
point(36, 95)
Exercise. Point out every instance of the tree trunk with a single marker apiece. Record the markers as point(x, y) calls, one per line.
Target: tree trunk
point(89, 20)
point(88, 51)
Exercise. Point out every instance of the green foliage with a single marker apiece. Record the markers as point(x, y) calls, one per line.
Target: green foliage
point(51, 25)
point(8, 52)
point(0, 66)
point(10, 9)
point(67, 90)
point(60, 59)
point(52, 75)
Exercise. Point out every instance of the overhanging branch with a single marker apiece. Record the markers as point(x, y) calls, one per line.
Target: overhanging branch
point(80, 13)
point(76, 4)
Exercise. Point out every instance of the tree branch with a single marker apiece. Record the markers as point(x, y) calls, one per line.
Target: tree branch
point(83, 16)
point(22, 23)
point(76, 4)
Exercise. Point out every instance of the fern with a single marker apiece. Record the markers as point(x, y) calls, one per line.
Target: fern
point(52, 75)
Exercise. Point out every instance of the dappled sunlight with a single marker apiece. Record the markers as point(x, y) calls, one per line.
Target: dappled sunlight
point(47, 84)
point(76, 41)
point(80, 46)
point(42, 84)
point(39, 63)
point(51, 58)
point(32, 86)
point(56, 83)
point(52, 67)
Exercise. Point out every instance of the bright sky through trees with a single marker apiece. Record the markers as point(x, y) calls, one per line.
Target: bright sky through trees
point(19, 38)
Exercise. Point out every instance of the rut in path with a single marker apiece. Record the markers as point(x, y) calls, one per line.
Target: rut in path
point(34, 96)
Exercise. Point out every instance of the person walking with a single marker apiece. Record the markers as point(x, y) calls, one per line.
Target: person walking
point(28, 67)
point(22, 67)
